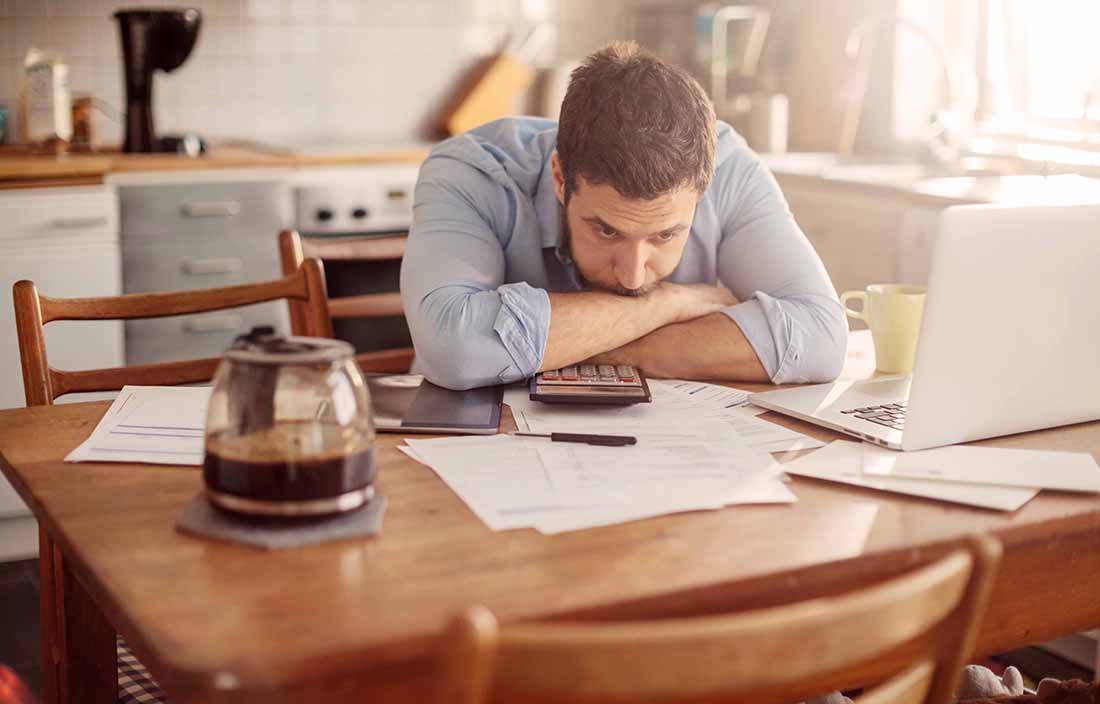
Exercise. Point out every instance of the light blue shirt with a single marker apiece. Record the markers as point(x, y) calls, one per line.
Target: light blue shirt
point(484, 250)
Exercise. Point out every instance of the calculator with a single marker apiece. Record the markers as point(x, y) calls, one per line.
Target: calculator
point(608, 384)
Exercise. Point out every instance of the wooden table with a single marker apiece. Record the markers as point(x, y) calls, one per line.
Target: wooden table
point(358, 620)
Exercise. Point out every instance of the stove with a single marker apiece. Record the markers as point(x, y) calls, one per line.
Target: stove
point(355, 201)
point(359, 201)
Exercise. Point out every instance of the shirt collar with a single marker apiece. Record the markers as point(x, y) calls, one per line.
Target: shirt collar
point(547, 208)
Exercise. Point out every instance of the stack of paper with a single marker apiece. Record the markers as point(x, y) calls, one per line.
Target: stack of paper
point(986, 477)
point(512, 482)
point(674, 402)
point(155, 424)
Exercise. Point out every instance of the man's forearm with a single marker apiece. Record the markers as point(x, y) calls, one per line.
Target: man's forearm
point(711, 347)
point(589, 323)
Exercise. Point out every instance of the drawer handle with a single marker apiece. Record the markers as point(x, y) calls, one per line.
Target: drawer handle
point(79, 223)
point(212, 209)
point(213, 323)
point(201, 267)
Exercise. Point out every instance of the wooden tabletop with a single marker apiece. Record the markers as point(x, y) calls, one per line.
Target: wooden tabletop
point(223, 622)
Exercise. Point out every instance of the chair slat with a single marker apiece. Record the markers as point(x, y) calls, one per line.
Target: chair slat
point(192, 371)
point(291, 252)
point(371, 305)
point(780, 653)
point(395, 361)
point(159, 305)
point(42, 383)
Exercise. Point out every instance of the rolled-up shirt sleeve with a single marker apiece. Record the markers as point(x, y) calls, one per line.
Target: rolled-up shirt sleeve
point(468, 327)
point(788, 309)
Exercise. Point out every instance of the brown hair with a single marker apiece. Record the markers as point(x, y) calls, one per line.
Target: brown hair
point(632, 121)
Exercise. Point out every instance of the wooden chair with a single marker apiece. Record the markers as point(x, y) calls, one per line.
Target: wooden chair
point(921, 626)
point(43, 384)
point(372, 305)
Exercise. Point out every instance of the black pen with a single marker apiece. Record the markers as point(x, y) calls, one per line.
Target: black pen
point(587, 438)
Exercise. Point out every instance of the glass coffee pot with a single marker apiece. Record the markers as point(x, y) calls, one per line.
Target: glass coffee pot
point(288, 429)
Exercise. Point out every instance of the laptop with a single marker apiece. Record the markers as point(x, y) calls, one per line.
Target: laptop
point(1009, 341)
point(407, 403)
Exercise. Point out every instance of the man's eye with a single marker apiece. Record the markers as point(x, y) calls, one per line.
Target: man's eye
point(608, 232)
point(666, 237)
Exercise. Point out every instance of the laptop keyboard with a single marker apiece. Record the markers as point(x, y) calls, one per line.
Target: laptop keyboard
point(892, 415)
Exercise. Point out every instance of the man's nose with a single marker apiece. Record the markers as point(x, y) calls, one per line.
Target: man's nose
point(631, 265)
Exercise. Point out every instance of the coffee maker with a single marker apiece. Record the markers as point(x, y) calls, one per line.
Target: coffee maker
point(151, 40)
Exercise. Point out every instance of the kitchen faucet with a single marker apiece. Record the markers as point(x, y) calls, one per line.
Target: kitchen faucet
point(944, 142)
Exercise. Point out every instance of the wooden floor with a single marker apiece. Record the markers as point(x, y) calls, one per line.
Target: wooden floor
point(19, 614)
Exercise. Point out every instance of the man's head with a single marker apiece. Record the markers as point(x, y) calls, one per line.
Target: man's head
point(635, 152)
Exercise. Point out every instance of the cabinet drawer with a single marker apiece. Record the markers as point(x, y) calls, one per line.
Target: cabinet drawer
point(252, 209)
point(150, 266)
point(59, 216)
point(196, 336)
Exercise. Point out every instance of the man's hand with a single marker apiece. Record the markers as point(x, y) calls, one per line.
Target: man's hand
point(691, 301)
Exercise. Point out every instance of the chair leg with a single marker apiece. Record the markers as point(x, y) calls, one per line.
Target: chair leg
point(78, 644)
point(49, 620)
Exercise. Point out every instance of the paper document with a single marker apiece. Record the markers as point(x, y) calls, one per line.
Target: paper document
point(1040, 469)
point(842, 461)
point(723, 397)
point(152, 424)
point(672, 404)
point(514, 482)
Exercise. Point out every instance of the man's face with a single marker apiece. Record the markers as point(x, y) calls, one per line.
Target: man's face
point(621, 245)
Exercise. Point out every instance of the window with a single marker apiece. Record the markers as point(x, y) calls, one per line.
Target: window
point(1041, 68)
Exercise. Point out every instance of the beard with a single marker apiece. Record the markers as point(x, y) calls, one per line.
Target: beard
point(587, 283)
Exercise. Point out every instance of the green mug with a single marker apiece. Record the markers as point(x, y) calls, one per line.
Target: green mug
point(893, 312)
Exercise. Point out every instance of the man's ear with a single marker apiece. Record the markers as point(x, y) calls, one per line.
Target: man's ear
point(559, 177)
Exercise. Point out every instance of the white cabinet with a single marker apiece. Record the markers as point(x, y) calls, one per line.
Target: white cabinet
point(66, 241)
point(197, 234)
point(854, 233)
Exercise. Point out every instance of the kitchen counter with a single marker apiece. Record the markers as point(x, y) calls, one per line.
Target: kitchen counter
point(923, 184)
point(20, 169)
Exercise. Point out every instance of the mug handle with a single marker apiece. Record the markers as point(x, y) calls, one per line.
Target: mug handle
point(860, 314)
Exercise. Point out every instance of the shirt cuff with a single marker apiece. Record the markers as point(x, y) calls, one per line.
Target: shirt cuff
point(523, 324)
point(771, 335)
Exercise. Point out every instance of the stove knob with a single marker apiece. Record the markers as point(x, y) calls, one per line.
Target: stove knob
point(360, 213)
point(324, 214)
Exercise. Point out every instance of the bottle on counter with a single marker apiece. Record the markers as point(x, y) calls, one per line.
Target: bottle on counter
point(45, 103)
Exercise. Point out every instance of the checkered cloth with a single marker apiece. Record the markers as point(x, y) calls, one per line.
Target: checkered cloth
point(135, 684)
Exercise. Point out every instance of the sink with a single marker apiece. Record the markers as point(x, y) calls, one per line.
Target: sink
point(907, 172)
point(879, 169)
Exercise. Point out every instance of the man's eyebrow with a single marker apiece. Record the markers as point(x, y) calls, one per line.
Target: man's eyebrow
point(600, 222)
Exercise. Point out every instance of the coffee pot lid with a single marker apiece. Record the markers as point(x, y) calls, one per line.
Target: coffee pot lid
point(262, 345)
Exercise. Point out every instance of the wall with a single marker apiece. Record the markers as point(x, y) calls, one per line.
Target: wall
point(289, 70)
point(292, 70)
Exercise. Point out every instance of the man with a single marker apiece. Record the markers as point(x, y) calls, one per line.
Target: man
point(605, 237)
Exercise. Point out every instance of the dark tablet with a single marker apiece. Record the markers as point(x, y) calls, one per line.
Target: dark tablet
point(406, 403)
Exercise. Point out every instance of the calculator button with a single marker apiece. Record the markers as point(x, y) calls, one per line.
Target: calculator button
point(626, 373)
point(551, 375)
point(569, 373)
point(588, 370)
point(607, 370)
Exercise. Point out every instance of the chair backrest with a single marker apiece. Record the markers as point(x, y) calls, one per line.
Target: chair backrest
point(42, 383)
point(371, 305)
point(921, 626)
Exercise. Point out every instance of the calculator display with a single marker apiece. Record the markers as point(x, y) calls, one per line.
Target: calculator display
point(591, 383)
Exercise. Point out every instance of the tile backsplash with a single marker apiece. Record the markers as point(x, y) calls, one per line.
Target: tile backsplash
point(289, 70)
